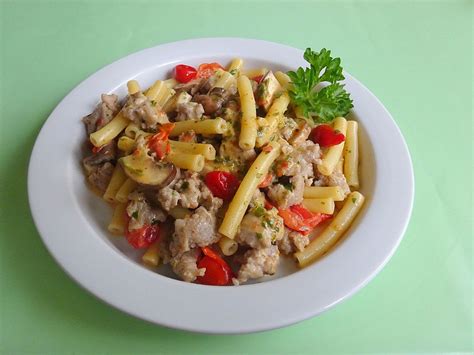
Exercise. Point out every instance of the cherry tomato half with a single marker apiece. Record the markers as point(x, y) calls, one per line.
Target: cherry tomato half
point(205, 70)
point(300, 219)
point(184, 73)
point(326, 136)
point(142, 237)
point(222, 184)
point(216, 274)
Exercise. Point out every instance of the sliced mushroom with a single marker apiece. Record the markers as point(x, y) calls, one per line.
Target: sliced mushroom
point(143, 169)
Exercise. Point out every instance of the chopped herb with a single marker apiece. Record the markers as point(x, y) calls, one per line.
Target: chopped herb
point(259, 235)
point(259, 211)
point(354, 200)
point(233, 71)
point(135, 215)
point(153, 103)
point(289, 186)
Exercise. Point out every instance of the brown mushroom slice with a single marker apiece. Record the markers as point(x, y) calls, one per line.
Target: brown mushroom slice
point(143, 169)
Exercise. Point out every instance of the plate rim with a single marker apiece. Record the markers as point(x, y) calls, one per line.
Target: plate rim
point(227, 329)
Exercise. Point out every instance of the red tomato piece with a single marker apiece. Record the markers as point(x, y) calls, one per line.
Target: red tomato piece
point(159, 142)
point(205, 70)
point(184, 73)
point(142, 237)
point(298, 218)
point(258, 78)
point(216, 274)
point(326, 136)
point(222, 184)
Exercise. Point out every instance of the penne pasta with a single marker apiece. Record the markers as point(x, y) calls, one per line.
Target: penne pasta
point(117, 223)
point(333, 154)
point(225, 80)
point(257, 171)
point(127, 187)
point(351, 155)
point(158, 92)
point(235, 67)
point(319, 205)
point(334, 192)
point(109, 131)
point(132, 130)
point(117, 180)
point(206, 150)
point(248, 124)
point(194, 162)
point(333, 232)
point(126, 144)
point(133, 87)
point(283, 79)
point(152, 254)
point(272, 119)
point(210, 126)
point(228, 246)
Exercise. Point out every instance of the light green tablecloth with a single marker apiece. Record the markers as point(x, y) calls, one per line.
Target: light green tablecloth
point(416, 56)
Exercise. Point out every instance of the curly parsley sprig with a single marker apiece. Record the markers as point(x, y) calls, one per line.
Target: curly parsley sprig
point(330, 101)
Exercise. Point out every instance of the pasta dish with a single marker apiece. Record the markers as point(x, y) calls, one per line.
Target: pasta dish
point(220, 171)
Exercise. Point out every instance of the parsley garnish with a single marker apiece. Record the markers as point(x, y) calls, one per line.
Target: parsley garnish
point(259, 235)
point(153, 103)
point(289, 186)
point(353, 200)
point(233, 71)
point(327, 103)
point(184, 185)
point(135, 214)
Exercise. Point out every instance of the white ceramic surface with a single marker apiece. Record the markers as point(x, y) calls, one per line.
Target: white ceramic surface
point(72, 221)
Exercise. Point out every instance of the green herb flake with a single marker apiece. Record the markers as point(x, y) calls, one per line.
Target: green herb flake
point(135, 215)
point(354, 200)
point(259, 235)
point(153, 103)
point(259, 211)
point(233, 71)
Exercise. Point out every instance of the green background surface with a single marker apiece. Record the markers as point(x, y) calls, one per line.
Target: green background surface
point(415, 56)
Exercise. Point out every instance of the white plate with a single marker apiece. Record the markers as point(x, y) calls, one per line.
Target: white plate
point(72, 221)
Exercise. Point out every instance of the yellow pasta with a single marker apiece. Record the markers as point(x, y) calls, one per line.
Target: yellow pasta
point(171, 83)
point(273, 118)
point(152, 254)
point(206, 150)
point(334, 192)
point(283, 79)
point(252, 73)
point(225, 79)
point(194, 162)
point(228, 246)
point(210, 126)
point(333, 232)
point(158, 91)
point(333, 154)
point(117, 223)
point(257, 171)
point(319, 205)
point(127, 187)
point(126, 144)
point(351, 155)
point(109, 131)
point(117, 180)
point(132, 130)
point(236, 66)
point(133, 87)
point(248, 123)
